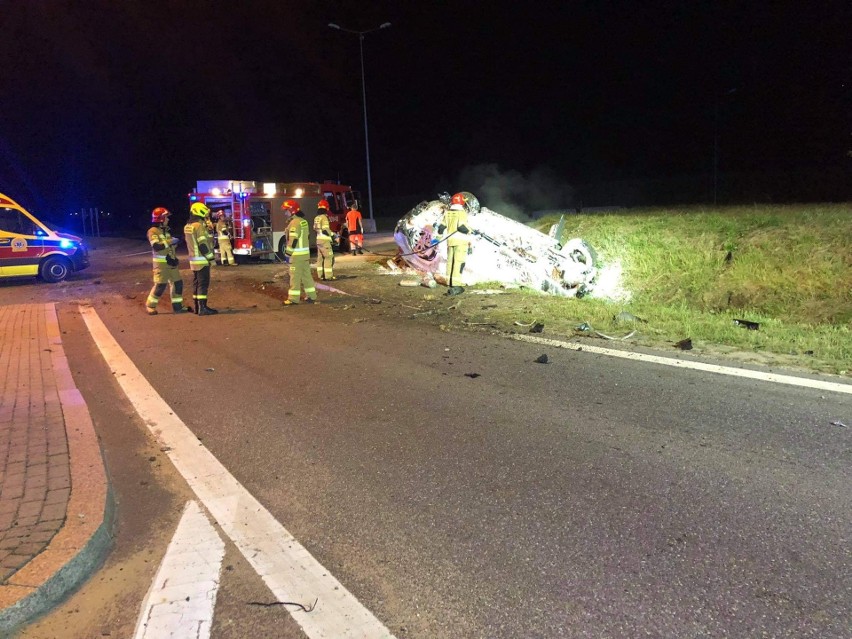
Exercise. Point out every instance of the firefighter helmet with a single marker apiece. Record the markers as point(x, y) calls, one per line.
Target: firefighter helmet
point(458, 198)
point(322, 204)
point(158, 215)
point(199, 209)
point(290, 205)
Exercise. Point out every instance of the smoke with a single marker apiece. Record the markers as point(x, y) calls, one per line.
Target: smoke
point(514, 195)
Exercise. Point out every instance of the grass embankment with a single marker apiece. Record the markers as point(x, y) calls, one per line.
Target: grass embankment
point(692, 271)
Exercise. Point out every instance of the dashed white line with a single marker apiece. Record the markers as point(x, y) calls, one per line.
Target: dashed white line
point(287, 568)
point(182, 597)
point(699, 366)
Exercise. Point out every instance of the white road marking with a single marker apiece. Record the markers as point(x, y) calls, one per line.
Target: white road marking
point(182, 597)
point(287, 568)
point(700, 366)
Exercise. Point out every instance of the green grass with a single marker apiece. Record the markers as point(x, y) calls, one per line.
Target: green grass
point(789, 268)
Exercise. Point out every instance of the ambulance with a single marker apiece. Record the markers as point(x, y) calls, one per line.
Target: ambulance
point(29, 247)
point(253, 210)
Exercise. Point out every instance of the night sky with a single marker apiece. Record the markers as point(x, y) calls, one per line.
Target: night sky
point(124, 104)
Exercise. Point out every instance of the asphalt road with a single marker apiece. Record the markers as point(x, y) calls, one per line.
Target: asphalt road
point(585, 497)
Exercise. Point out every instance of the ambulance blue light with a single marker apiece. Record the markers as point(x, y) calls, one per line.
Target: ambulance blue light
point(66, 244)
point(192, 198)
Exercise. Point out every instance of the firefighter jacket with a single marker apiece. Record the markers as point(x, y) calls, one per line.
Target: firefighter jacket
point(163, 253)
point(222, 230)
point(198, 244)
point(298, 237)
point(456, 228)
point(353, 222)
point(322, 228)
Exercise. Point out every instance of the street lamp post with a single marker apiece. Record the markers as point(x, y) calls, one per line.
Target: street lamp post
point(361, 35)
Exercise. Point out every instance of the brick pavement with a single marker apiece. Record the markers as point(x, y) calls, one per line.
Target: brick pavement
point(53, 489)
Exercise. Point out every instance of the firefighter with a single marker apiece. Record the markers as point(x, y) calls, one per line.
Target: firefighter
point(200, 248)
point(223, 236)
point(165, 263)
point(356, 229)
point(299, 253)
point(454, 223)
point(325, 253)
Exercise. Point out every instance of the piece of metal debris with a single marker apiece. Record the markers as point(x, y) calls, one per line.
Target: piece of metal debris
point(752, 326)
point(472, 375)
point(584, 327)
point(628, 336)
point(409, 281)
point(538, 327)
point(684, 344)
point(210, 370)
point(839, 423)
point(541, 359)
point(284, 603)
point(524, 325)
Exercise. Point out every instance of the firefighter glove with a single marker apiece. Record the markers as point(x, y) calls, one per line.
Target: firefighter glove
point(441, 228)
point(171, 261)
point(463, 229)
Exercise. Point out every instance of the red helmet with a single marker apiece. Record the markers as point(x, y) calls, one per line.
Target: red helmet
point(458, 198)
point(291, 205)
point(158, 215)
point(322, 204)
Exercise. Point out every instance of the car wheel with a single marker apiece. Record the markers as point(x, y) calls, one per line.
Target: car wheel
point(54, 269)
point(282, 247)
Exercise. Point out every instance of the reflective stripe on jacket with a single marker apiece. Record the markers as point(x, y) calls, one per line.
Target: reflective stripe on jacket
point(453, 220)
point(158, 235)
point(196, 234)
point(321, 224)
point(298, 230)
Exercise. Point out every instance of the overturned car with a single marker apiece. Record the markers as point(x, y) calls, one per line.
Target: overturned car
point(502, 250)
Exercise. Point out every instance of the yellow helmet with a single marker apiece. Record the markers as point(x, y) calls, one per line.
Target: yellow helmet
point(199, 209)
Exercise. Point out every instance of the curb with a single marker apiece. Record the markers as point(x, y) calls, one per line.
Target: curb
point(82, 543)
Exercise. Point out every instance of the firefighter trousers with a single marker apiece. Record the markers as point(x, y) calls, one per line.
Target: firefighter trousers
point(456, 258)
point(164, 276)
point(226, 254)
point(301, 279)
point(200, 283)
point(325, 260)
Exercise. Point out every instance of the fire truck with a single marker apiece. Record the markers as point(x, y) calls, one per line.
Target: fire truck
point(253, 210)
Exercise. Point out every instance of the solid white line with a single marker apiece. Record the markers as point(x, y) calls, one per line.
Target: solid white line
point(182, 597)
point(699, 366)
point(287, 568)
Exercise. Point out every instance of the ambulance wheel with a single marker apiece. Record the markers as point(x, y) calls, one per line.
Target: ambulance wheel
point(54, 269)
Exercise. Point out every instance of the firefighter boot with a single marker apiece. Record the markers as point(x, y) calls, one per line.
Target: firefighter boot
point(201, 308)
point(151, 311)
point(177, 307)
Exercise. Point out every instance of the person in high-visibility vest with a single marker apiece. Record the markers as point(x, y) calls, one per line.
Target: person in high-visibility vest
point(325, 253)
point(298, 253)
point(199, 245)
point(356, 229)
point(223, 236)
point(166, 272)
point(454, 223)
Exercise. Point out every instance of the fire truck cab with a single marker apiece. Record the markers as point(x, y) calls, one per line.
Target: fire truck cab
point(253, 210)
point(30, 247)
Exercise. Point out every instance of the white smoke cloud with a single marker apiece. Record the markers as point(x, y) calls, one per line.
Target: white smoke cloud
point(514, 195)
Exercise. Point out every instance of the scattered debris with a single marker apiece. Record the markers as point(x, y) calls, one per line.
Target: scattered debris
point(130, 297)
point(684, 344)
point(839, 423)
point(409, 281)
point(428, 281)
point(538, 327)
point(455, 290)
point(752, 326)
point(584, 327)
point(472, 375)
point(628, 336)
point(284, 603)
point(524, 325)
point(486, 291)
point(541, 359)
point(372, 300)
point(210, 370)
